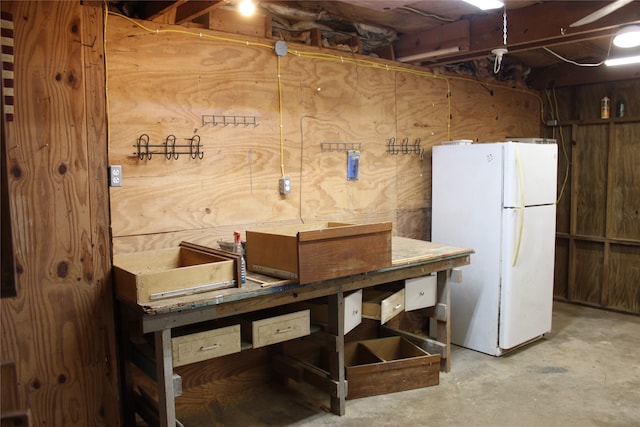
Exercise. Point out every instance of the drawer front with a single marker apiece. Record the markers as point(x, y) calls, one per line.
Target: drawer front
point(281, 328)
point(420, 292)
point(392, 306)
point(352, 310)
point(205, 345)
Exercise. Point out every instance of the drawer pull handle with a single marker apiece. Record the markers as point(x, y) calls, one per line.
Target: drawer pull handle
point(285, 330)
point(397, 307)
point(355, 312)
point(211, 347)
point(422, 293)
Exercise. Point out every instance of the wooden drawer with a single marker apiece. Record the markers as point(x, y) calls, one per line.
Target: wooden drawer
point(420, 292)
point(382, 305)
point(387, 365)
point(205, 345)
point(272, 330)
point(146, 276)
point(352, 311)
point(318, 251)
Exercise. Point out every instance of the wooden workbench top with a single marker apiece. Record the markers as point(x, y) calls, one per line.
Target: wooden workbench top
point(405, 252)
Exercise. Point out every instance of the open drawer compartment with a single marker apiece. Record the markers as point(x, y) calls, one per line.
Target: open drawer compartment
point(147, 276)
point(387, 365)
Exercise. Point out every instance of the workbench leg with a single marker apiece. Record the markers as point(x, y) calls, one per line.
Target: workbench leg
point(336, 359)
point(443, 333)
point(164, 366)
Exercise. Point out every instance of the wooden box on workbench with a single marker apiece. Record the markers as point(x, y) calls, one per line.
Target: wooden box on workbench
point(387, 365)
point(310, 253)
point(146, 276)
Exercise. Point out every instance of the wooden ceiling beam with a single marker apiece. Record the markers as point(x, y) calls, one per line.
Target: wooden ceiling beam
point(563, 74)
point(150, 10)
point(442, 37)
point(545, 24)
point(193, 9)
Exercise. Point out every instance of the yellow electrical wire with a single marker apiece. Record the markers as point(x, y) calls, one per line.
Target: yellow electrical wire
point(333, 58)
point(281, 121)
point(190, 33)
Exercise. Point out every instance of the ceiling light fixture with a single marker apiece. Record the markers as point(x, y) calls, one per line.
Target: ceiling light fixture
point(627, 36)
point(486, 4)
point(612, 62)
point(246, 7)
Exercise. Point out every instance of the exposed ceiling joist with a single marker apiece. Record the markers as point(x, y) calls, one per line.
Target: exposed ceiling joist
point(545, 24)
point(194, 9)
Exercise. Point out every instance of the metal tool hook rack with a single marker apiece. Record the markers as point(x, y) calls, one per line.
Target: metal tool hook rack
point(171, 150)
point(404, 147)
point(218, 119)
point(340, 146)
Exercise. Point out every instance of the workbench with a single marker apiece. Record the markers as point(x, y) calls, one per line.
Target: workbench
point(410, 259)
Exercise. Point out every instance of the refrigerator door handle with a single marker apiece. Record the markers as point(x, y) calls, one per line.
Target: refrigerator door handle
point(520, 208)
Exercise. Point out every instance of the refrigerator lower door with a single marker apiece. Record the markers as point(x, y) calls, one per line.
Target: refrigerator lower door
point(526, 297)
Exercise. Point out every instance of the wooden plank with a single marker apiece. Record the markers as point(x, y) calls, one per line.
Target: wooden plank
point(625, 180)
point(192, 9)
point(624, 274)
point(561, 270)
point(57, 196)
point(588, 259)
point(336, 358)
point(164, 374)
point(455, 34)
point(591, 182)
point(230, 21)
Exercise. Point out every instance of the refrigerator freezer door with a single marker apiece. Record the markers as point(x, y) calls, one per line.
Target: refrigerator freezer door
point(527, 287)
point(536, 166)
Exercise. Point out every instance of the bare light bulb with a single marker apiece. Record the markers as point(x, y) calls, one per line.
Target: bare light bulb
point(246, 7)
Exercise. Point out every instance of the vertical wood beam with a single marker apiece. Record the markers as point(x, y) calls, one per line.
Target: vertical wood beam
point(608, 217)
point(443, 328)
point(573, 213)
point(336, 359)
point(166, 392)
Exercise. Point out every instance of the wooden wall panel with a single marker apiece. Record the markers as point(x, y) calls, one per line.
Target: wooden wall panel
point(561, 271)
point(599, 214)
point(591, 151)
point(625, 185)
point(326, 98)
point(59, 328)
point(588, 266)
point(585, 101)
point(624, 276)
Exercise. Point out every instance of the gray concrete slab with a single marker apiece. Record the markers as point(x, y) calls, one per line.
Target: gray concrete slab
point(586, 372)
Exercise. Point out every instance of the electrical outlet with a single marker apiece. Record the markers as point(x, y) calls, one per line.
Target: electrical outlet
point(285, 185)
point(115, 176)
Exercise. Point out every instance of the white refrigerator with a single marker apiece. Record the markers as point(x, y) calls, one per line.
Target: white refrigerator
point(499, 200)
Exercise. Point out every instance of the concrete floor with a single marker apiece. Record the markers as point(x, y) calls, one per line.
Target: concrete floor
point(586, 372)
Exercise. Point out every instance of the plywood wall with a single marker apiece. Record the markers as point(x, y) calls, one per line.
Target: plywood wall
point(163, 79)
point(59, 328)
